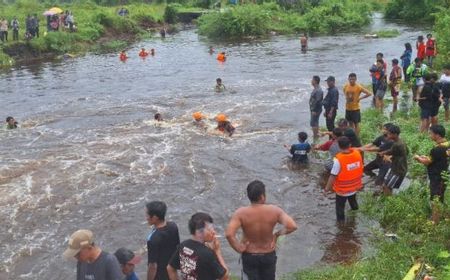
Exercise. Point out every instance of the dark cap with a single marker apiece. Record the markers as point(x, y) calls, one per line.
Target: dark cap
point(331, 79)
point(125, 256)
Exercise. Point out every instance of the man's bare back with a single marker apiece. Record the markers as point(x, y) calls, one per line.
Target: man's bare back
point(258, 222)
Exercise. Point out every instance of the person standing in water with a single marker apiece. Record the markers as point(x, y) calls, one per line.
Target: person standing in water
point(11, 123)
point(300, 151)
point(304, 42)
point(257, 222)
point(220, 87)
point(315, 105)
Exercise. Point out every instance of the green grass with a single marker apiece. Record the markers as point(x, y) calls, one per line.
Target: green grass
point(389, 33)
point(405, 214)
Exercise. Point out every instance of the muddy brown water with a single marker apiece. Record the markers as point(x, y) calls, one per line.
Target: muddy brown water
point(88, 154)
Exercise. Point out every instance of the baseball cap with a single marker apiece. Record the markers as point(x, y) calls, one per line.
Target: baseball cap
point(125, 256)
point(78, 240)
point(330, 78)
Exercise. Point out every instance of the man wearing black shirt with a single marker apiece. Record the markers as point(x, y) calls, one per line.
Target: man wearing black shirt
point(161, 242)
point(427, 100)
point(200, 257)
point(437, 164)
point(330, 103)
point(380, 144)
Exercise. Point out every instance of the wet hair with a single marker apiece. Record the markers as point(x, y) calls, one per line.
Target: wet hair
point(352, 75)
point(337, 132)
point(438, 129)
point(343, 142)
point(9, 118)
point(157, 208)
point(408, 46)
point(395, 61)
point(302, 136)
point(342, 122)
point(218, 80)
point(394, 129)
point(447, 66)
point(317, 79)
point(198, 221)
point(427, 77)
point(255, 190)
point(380, 61)
point(157, 116)
point(420, 38)
point(380, 54)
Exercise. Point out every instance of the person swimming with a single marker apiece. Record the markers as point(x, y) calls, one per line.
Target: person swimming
point(211, 50)
point(11, 123)
point(158, 117)
point(123, 56)
point(223, 125)
point(152, 52)
point(143, 53)
point(222, 57)
point(220, 87)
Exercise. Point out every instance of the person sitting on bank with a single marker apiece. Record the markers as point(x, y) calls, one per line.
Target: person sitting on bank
point(11, 123)
point(346, 177)
point(220, 87)
point(300, 151)
point(128, 260)
point(224, 125)
point(143, 53)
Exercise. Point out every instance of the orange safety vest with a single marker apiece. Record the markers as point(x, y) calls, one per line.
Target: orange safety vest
point(123, 57)
point(349, 178)
point(221, 57)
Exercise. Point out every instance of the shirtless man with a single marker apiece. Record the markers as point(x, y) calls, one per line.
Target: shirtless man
point(304, 42)
point(258, 221)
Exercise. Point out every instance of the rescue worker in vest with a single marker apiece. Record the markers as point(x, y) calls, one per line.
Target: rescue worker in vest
point(416, 71)
point(223, 125)
point(123, 56)
point(430, 51)
point(143, 53)
point(346, 177)
point(221, 57)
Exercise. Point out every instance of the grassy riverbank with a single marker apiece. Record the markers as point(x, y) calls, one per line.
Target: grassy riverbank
point(258, 20)
point(99, 29)
point(405, 214)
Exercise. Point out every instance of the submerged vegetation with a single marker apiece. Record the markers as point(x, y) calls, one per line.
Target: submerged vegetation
point(319, 17)
point(405, 214)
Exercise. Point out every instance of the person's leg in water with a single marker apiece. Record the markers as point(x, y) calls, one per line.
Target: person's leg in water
point(353, 202)
point(340, 208)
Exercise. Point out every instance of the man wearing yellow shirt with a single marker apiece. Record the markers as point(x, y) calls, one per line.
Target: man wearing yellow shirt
point(352, 93)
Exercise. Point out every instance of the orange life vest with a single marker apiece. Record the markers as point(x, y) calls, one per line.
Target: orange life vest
point(221, 57)
point(123, 57)
point(143, 54)
point(349, 178)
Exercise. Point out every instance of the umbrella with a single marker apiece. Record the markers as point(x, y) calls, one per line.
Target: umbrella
point(56, 10)
point(48, 13)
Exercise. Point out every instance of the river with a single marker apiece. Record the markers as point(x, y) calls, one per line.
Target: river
point(89, 155)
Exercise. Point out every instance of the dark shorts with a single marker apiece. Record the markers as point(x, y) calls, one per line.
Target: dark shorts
point(380, 94)
point(437, 188)
point(314, 121)
point(426, 113)
point(259, 266)
point(435, 111)
point(393, 181)
point(353, 116)
point(446, 103)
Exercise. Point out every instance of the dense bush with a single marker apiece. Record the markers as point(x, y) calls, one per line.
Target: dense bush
point(415, 10)
point(443, 36)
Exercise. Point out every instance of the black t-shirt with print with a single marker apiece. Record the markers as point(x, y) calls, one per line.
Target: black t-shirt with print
point(196, 262)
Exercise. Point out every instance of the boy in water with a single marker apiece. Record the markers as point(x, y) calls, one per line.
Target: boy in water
point(11, 123)
point(158, 117)
point(223, 125)
point(220, 87)
point(300, 151)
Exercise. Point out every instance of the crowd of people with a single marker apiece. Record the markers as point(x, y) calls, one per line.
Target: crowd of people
point(55, 22)
point(200, 257)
